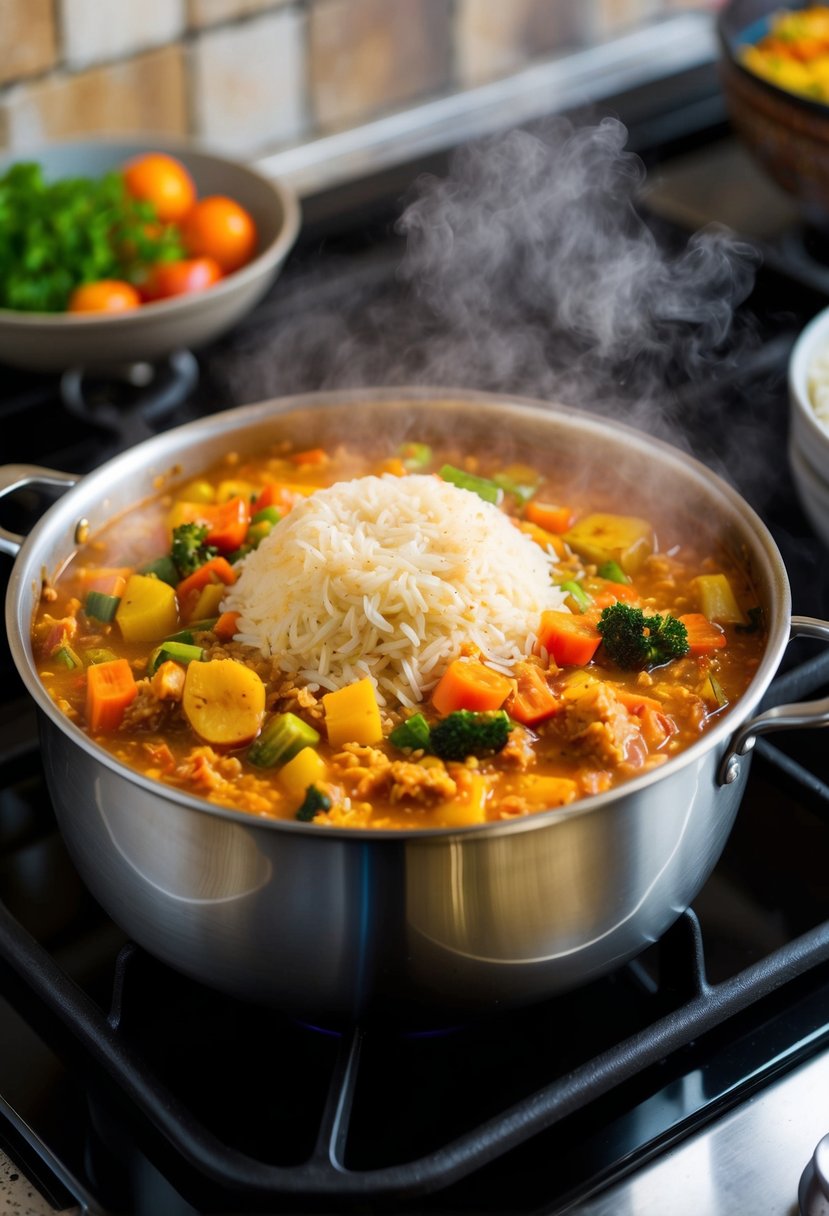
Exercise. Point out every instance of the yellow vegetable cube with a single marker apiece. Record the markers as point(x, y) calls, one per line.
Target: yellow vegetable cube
point(601, 538)
point(468, 807)
point(544, 793)
point(352, 714)
point(148, 610)
point(306, 768)
point(235, 488)
point(224, 702)
point(196, 491)
point(716, 599)
point(207, 604)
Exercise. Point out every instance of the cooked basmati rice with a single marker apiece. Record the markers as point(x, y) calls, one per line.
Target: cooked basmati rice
point(388, 577)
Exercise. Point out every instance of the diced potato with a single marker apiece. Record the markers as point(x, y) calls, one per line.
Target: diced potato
point(468, 807)
point(224, 702)
point(306, 768)
point(547, 792)
point(148, 609)
point(352, 714)
point(601, 538)
point(207, 604)
point(716, 599)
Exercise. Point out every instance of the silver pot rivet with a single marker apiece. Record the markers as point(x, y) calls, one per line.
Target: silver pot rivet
point(732, 770)
point(81, 531)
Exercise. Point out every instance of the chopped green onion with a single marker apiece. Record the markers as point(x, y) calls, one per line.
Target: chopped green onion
point(187, 635)
point(482, 486)
point(315, 801)
point(163, 568)
point(67, 657)
point(99, 654)
point(522, 491)
point(577, 593)
point(100, 606)
point(414, 455)
point(414, 733)
point(282, 738)
point(178, 652)
point(613, 572)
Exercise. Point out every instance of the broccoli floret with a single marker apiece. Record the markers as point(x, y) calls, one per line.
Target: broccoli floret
point(634, 640)
point(465, 733)
point(314, 802)
point(189, 550)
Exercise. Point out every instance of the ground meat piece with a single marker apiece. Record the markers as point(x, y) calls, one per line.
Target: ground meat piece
point(217, 778)
point(148, 711)
point(597, 722)
point(366, 771)
point(519, 752)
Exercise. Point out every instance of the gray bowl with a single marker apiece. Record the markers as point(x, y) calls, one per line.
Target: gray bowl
point(50, 342)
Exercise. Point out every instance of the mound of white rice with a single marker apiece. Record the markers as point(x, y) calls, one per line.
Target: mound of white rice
point(388, 577)
point(819, 386)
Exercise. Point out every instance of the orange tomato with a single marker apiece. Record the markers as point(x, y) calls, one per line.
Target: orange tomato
point(220, 228)
point(106, 295)
point(163, 181)
point(179, 278)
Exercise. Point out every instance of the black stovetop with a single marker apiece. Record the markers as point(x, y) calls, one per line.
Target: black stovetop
point(126, 1088)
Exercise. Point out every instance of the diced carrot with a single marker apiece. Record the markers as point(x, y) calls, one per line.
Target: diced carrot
point(282, 495)
point(227, 523)
point(533, 700)
point(548, 516)
point(569, 638)
point(225, 626)
point(703, 635)
point(217, 570)
point(110, 688)
point(311, 456)
point(610, 593)
point(636, 703)
point(469, 684)
point(547, 540)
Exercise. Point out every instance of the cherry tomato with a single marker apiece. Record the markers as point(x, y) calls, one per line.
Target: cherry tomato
point(178, 278)
point(163, 181)
point(220, 228)
point(107, 295)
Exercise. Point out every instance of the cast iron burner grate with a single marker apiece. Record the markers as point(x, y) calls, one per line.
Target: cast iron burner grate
point(169, 1066)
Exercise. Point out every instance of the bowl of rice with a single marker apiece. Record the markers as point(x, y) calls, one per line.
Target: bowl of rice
point(809, 421)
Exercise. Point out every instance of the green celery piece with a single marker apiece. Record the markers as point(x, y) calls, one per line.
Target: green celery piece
point(413, 733)
point(482, 486)
point(67, 657)
point(522, 491)
point(99, 654)
point(613, 572)
point(578, 593)
point(281, 739)
point(101, 606)
point(179, 652)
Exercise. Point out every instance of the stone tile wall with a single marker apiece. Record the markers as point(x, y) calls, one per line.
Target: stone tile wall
point(249, 76)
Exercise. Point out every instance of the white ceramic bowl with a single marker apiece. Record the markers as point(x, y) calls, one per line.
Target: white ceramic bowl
point(56, 341)
point(808, 434)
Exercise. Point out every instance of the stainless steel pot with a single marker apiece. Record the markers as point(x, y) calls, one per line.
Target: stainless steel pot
point(332, 923)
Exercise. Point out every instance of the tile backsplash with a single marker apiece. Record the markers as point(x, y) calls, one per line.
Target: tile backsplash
point(252, 76)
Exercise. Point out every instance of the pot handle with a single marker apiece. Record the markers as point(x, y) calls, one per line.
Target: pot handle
point(14, 477)
point(779, 717)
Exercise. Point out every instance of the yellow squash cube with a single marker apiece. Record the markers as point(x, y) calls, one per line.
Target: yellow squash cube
point(352, 715)
point(148, 610)
point(717, 600)
point(601, 538)
point(306, 768)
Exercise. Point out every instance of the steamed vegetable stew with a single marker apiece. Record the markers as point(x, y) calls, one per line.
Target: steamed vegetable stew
point(659, 630)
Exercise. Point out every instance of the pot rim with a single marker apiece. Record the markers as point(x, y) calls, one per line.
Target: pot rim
point(243, 418)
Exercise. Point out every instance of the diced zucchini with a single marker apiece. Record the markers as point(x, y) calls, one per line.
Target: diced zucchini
point(266, 515)
point(602, 538)
point(283, 737)
point(413, 733)
point(352, 714)
point(256, 533)
point(100, 606)
point(306, 768)
point(148, 611)
point(224, 702)
point(163, 568)
point(716, 599)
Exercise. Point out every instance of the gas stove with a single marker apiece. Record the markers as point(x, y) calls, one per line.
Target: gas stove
point(687, 1081)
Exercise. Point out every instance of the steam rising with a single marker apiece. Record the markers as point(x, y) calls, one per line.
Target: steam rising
point(527, 269)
